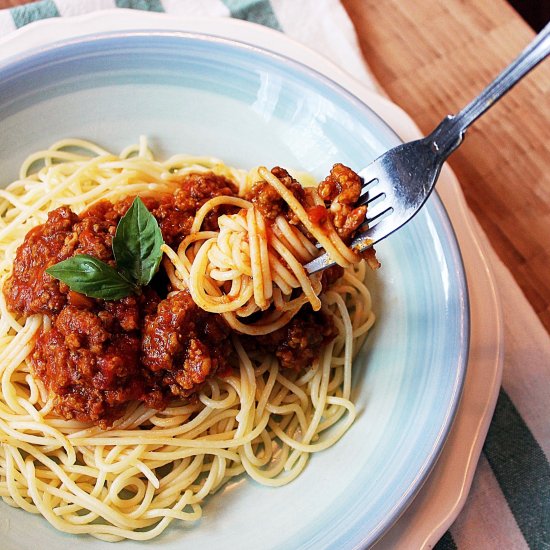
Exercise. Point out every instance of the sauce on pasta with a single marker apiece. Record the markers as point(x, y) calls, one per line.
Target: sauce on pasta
point(119, 416)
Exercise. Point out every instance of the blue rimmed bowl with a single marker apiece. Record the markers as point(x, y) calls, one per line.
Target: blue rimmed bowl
point(210, 96)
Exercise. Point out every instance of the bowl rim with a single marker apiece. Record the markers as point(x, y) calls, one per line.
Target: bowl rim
point(16, 63)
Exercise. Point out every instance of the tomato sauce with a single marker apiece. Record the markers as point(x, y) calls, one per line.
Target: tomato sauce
point(99, 355)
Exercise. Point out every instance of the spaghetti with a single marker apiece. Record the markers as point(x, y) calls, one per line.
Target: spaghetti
point(151, 467)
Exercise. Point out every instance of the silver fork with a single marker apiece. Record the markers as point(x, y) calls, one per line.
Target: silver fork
point(397, 184)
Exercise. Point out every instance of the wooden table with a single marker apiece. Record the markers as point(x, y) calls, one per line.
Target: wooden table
point(432, 57)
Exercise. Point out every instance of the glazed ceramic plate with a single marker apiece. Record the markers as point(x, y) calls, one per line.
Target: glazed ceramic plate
point(204, 95)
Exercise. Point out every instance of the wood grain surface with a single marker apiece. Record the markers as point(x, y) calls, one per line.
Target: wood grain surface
point(432, 57)
point(13, 3)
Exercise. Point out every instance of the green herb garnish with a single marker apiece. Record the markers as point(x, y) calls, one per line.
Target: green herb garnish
point(136, 245)
point(92, 277)
point(136, 248)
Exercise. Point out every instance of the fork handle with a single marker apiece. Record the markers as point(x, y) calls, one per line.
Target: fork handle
point(448, 135)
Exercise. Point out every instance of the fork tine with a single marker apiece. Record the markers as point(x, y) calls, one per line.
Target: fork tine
point(382, 227)
point(376, 193)
point(381, 208)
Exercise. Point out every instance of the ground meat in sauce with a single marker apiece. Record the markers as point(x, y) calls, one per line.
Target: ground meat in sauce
point(100, 355)
point(341, 190)
point(94, 357)
point(90, 358)
point(299, 342)
point(270, 203)
point(184, 345)
point(29, 289)
point(193, 192)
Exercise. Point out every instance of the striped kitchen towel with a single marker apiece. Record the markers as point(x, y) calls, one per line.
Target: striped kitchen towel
point(509, 503)
point(327, 28)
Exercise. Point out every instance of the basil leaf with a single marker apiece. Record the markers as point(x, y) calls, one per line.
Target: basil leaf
point(92, 277)
point(136, 244)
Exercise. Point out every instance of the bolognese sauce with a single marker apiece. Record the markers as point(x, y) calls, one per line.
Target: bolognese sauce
point(99, 355)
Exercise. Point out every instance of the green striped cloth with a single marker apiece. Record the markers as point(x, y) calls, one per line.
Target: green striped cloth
point(509, 503)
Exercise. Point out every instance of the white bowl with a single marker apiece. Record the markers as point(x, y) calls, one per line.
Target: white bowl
point(203, 95)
